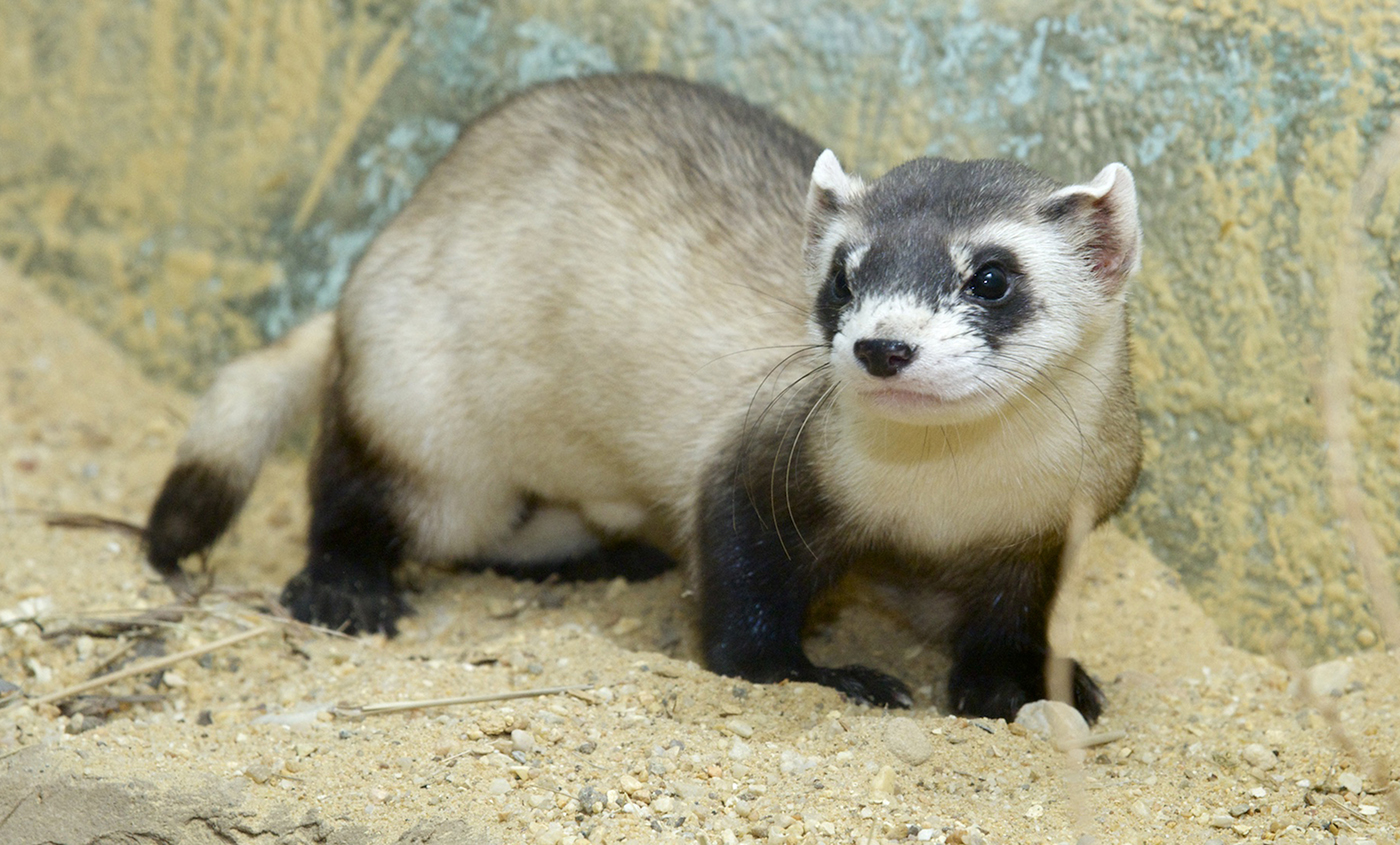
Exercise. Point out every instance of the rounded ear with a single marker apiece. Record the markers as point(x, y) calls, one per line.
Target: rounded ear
point(1106, 209)
point(831, 188)
point(829, 194)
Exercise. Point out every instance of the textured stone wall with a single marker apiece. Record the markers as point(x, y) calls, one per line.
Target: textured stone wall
point(193, 176)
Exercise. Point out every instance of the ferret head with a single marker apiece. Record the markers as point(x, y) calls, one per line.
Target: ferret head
point(945, 289)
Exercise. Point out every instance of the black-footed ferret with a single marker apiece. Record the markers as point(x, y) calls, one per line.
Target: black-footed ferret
point(644, 303)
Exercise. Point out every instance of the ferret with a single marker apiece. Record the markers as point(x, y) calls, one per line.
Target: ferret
point(629, 305)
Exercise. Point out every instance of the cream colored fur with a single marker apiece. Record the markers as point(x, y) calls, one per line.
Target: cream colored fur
point(559, 320)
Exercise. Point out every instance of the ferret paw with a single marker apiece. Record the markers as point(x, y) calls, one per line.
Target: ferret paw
point(350, 608)
point(973, 691)
point(864, 685)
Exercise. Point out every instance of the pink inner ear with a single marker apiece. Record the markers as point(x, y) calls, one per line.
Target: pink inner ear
point(1109, 265)
point(1110, 250)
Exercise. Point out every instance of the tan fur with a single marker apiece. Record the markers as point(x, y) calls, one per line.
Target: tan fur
point(575, 321)
point(255, 399)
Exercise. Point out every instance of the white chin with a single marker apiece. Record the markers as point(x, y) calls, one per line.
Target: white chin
point(922, 408)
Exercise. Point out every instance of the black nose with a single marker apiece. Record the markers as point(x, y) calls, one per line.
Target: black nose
point(883, 358)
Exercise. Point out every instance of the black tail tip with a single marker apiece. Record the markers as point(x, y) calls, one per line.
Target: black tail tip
point(195, 506)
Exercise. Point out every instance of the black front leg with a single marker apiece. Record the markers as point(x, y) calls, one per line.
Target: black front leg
point(354, 544)
point(1001, 646)
point(756, 583)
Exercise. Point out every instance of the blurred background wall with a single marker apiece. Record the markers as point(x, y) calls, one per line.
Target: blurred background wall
point(195, 176)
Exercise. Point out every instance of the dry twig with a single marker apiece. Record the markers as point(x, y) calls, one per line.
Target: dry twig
point(148, 666)
point(398, 706)
point(1335, 390)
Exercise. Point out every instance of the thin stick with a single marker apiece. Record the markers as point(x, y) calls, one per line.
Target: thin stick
point(147, 667)
point(116, 654)
point(63, 519)
point(1377, 769)
point(1059, 671)
point(1335, 389)
point(396, 706)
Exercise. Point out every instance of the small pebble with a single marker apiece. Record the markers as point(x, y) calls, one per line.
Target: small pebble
point(1053, 720)
point(1350, 781)
point(591, 800)
point(884, 784)
point(739, 750)
point(1329, 678)
point(907, 741)
point(1258, 756)
point(257, 772)
point(522, 741)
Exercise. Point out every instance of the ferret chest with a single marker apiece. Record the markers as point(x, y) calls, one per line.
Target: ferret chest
point(938, 491)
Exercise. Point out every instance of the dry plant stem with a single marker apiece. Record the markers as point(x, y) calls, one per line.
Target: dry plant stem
point(397, 706)
point(148, 667)
point(1059, 673)
point(1378, 770)
point(1335, 390)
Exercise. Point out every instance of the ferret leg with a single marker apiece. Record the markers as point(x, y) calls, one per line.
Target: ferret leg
point(754, 600)
point(1001, 646)
point(354, 543)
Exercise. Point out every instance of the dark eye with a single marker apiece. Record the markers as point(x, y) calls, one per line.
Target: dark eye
point(990, 283)
point(840, 285)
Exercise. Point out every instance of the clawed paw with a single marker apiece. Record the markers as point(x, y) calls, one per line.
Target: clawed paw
point(349, 608)
point(864, 685)
point(981, 691)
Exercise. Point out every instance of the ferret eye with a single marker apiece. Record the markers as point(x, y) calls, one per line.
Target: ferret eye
point(989, 284)
point(840, 285)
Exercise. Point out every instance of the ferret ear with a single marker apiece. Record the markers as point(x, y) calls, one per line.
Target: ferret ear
point(1105, 211)
point(828, 196)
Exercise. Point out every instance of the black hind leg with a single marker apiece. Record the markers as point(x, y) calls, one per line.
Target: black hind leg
point(354, 544)
point(1001, 647)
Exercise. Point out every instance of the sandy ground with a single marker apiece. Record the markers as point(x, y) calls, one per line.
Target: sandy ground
point(262, 741)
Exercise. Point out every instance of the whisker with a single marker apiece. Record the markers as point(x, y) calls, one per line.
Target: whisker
point(741, 478)
point(778, 299)
point(787, 473)
point(798, 346)
point(777, 454)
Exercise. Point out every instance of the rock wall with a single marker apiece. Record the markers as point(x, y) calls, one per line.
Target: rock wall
point(194, 176)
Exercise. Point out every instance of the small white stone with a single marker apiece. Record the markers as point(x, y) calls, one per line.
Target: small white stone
point(793, 763)
point(884, 783)
point(739, 750)
point(739, 727)
point(522, 741)
point(1329, 678)
point(1053, 720)
point(1035, 811)
point(1351, 782)
point(907, 741)
point(1259, 756)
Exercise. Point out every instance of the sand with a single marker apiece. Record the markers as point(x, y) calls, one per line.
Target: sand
point(266, 740)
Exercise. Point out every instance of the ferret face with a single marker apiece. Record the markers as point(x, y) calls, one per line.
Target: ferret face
point(946, 290)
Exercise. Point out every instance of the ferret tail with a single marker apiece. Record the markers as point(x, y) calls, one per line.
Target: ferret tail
point(242, 418)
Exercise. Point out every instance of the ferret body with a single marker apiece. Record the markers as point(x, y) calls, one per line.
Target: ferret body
point(629, 304)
